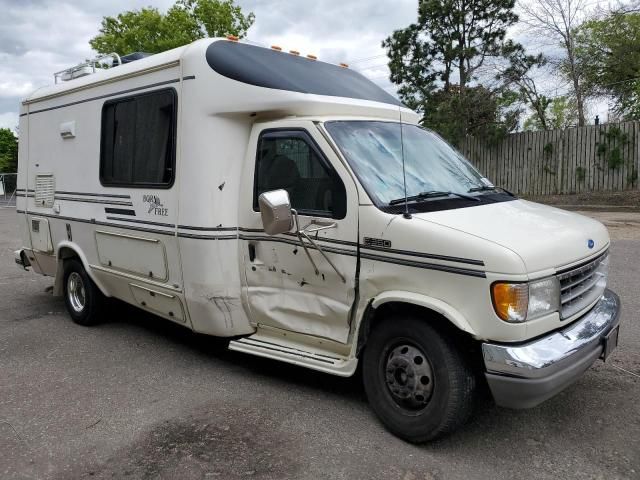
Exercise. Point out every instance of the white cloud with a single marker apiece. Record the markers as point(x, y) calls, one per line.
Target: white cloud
point(39, 37)
point(11, 88)
point(9, 120)
point(334, 30)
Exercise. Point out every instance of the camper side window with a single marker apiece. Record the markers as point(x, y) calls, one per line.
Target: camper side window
point(138, 140)
point(290, 160)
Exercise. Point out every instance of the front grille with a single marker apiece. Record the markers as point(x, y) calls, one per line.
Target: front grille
point(582, 285)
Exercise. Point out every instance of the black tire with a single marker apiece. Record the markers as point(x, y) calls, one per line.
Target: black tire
point(83, 299)
point(422, 409)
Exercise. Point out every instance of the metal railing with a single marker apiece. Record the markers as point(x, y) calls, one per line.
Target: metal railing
point(85, 68)
point(8, 182)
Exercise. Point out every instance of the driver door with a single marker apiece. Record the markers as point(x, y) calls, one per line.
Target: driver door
point(283, 288)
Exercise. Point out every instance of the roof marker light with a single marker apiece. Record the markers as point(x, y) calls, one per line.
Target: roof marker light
point(344, 65)
point(312, 57)
point(233, 38)
point(276, 47)
point(294, 52)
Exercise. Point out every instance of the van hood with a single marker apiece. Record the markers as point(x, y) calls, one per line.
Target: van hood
point(543, 237)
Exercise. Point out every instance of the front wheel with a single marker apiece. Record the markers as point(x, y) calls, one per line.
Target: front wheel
point(416, 379)
point(84, 301)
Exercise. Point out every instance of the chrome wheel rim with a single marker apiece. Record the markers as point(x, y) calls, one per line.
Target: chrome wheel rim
point(76, 292)
point(409, 377)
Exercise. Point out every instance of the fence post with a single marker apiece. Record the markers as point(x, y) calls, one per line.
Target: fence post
point(636, 163)
point(8, 183)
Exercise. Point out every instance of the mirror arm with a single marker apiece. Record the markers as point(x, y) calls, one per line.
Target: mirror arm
point(320, 224)
point(299, 234)
point(344, 280)
point(303, 233)
point(316, 230)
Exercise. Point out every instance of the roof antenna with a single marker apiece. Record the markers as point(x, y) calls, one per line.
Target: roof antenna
point(406, 214)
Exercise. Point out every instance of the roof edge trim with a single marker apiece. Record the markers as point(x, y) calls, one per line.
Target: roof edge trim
point(137, 73)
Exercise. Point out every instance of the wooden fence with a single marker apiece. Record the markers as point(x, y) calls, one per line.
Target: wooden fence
point(575, 160)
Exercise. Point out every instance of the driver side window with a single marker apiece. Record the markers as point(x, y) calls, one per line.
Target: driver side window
point(290, 160)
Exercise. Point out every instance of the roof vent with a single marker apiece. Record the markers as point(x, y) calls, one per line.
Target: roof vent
point(132, 57)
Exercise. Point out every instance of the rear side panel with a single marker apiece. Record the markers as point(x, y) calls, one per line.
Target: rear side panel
point(23, 172)
point(125, 235)
point(213, 149)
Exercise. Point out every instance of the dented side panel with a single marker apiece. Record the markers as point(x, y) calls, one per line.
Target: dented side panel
point(212, 148)
point(429, 265)
point(282, 287)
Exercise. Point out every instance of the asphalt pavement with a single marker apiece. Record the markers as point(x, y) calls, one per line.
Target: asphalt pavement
point(139, 397)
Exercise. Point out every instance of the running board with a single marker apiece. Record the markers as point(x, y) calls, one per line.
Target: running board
point(274, 348)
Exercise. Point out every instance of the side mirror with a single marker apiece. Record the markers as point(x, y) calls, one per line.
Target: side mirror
point(275, 209)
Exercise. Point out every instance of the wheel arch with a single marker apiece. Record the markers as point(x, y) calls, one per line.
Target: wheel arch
point(64, 251)
point(428, 307)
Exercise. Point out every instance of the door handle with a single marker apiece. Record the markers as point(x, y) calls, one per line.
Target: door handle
point(252, 252)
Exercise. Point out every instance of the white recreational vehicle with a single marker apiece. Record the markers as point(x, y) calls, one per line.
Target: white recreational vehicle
point(298, 209)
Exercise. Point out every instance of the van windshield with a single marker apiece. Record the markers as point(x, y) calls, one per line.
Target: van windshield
point(434, 170)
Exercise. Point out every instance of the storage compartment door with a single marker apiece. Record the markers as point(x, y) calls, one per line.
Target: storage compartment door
point(168, 306)
point(134, 254)
point(40, 234)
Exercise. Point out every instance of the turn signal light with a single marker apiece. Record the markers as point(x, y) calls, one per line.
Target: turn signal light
point(276, 47)
point(510, 301)
point(312, 57)
point(294, 52)
point(233, 38)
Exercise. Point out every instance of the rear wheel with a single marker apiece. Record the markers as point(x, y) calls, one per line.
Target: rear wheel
point(416, 379)
point(82, 297)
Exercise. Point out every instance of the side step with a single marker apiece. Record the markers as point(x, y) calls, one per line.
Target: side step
point(275, 348)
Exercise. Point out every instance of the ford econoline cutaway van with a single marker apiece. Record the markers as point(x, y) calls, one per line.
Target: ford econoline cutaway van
point(299, 210)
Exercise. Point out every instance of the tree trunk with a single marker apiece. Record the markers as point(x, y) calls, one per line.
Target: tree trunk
point(541, 116)
point(575, 78)
point(579, 102)
point(461, 103)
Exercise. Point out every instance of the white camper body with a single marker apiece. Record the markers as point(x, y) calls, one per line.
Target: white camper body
point(147, 174)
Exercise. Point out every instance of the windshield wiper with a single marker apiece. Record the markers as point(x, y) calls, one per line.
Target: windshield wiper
point(486, 188)
point(432, 194)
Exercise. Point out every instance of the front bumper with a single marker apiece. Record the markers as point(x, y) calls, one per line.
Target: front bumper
point(524, 375)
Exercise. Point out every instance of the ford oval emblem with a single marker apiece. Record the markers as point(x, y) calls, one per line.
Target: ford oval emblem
point(591, 243)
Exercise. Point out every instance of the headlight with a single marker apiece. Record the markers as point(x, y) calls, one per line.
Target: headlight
point(518, 302)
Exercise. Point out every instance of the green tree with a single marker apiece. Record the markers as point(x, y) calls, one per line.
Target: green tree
point(149, 30)
point(488, 115)
point(8, 151)
point(519, 75)
point(560, 113)
point(435, 62)
point(556, 21)
point(608, 51)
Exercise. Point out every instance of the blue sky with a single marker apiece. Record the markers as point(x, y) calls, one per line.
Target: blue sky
point(39, 37)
